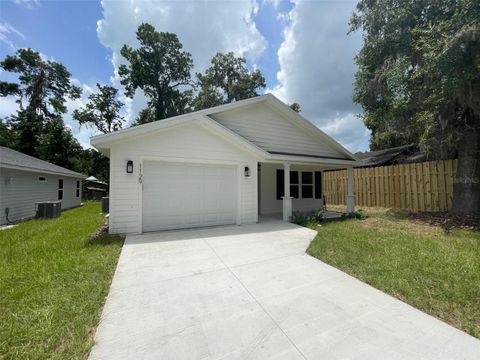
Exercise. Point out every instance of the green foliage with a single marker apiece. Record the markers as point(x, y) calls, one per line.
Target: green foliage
point(7, 136)
point(41, 92)
point(308, 218)
point(144, 117)
point(57, 144)
point(295, 107)
point(161, 69)
point(300, 218)
point(37, 129)
point(102, 111)
point(419, 82)
point(43, 84)
point(22, 131)
point(226, 80)
point(359, 215)
point(419, 71)
point(92, 162)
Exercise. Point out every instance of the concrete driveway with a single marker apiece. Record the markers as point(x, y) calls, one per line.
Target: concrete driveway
point(251, 292)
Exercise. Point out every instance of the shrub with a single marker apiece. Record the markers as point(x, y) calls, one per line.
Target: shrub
point(354, 215)
point(307, 218)
point(317, 215)
point(299, 218)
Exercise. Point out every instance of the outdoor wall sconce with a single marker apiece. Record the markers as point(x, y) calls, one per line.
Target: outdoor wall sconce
point(129, 166)
point(247, 171)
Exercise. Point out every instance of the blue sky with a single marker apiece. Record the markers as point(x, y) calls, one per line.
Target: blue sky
point(293, 43)
point(63, 30)
point(67, 32)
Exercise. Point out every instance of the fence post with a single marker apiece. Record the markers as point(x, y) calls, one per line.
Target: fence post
point(350, 195)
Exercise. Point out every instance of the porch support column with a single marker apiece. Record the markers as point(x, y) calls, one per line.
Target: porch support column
point(350, 195)
point(287, 199)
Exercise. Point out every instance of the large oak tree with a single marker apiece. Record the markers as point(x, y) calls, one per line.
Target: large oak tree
point(161, 69)
point(418, 81)
point(226, 80)
point(41, 91)
point(102, 111)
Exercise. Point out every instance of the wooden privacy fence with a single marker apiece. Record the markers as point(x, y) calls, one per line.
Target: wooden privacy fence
point(426, 186)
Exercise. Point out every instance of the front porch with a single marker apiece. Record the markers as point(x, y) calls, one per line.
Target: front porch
point(287, 187)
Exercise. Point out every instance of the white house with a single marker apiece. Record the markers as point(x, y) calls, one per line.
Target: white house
point(26, 180)
point(224, 165)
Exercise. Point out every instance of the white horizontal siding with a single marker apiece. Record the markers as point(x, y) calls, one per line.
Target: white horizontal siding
point(249, 195)
point(190, 142)
point(20, 190)
point(271, 131)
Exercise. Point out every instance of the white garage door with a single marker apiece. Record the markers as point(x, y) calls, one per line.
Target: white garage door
point(177, 196)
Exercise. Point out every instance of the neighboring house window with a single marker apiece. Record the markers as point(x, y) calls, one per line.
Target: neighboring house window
point(42, 179)
point(77, 191)
point(318, 184)
point(307, 185)
point(60, 189)
point(310, 184)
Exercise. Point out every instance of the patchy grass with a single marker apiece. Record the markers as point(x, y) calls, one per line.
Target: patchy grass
point(54, 278)
point(435, 271)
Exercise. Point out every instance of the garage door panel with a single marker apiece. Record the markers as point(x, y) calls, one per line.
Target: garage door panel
point(188, 195)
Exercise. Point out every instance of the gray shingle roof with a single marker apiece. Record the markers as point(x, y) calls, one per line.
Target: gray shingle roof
point(13, 159)
point(397, 155)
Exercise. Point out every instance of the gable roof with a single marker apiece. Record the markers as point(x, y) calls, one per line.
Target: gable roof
point(103, 142)
point(16, 160)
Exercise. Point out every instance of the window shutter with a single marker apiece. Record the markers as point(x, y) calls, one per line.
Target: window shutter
point(318, 184)
point(280, 184)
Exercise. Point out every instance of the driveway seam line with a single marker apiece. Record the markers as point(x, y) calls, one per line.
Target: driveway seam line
point(255, 299)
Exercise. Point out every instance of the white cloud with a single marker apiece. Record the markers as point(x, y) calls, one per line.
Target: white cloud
point(29, 4)
point(317, 69)
point(274, 3)
point(6, 32)
point(203, 27)
point(349, 131)
point(8, 106)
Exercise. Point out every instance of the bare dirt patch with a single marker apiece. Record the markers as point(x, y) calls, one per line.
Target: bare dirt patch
point(385, 224)
point(447, 221)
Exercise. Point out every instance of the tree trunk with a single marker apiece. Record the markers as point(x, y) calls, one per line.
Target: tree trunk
point(466, 186)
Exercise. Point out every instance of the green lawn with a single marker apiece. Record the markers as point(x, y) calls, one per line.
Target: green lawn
point(436, 272)
point(54, 278)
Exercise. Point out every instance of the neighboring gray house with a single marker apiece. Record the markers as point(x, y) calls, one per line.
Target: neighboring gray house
point(25, 180)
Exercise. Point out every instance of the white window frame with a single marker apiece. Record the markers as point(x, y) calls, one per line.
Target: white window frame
point(312, 184)
point(77, 189)
point(297, 184)
point(60, 189)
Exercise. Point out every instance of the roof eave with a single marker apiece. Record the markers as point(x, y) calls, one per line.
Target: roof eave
point(312, 160)
point(42, 171)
